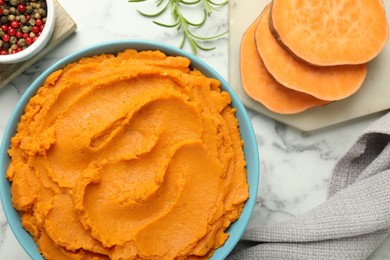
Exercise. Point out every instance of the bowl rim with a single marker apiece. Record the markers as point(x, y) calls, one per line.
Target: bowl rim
point(236, 229)
point(39, 44)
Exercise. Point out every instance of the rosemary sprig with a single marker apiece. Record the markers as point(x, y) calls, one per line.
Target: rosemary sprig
point(181, 23)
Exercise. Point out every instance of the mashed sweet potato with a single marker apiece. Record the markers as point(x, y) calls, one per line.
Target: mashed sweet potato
point(128, 156)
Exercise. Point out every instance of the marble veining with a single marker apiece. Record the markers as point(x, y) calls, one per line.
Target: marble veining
point(3, 228)
point(295, 166)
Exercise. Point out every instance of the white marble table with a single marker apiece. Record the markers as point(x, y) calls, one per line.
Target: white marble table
point(295, 166)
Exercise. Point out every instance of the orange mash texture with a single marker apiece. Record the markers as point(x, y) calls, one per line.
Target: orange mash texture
point(128, 156)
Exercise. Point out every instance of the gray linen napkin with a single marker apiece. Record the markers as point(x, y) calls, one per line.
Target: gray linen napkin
point(351, 224)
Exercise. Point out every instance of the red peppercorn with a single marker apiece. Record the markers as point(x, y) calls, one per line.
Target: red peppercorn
point(25, 35)
point(41, 27)
point(6, 37)
point(19, 49)
point(13, 52)
point(19, 34)
point(29, 41)
point(11, 31)
point(35, 29)
point(4, 28)
point(28, 17)
point(35, 38)
point(38, 22)
point(3, 52)
point(21, 8)
point(1, 2)
point(15, 24)
point(1, 11)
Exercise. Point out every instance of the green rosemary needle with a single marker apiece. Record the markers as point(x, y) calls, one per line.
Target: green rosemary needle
point(181, 23)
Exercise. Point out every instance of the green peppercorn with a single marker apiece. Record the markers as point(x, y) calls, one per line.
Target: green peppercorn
point(29, 9)
point(42, 12)
point(22, 42)
point(32, 21)
point(26, 29)
point(23, 19)
point(13, 39)
point(32, 35)
point(11, 17)
point(12, 10)
point(5, 12)
point(13, 2)
point(1, 43)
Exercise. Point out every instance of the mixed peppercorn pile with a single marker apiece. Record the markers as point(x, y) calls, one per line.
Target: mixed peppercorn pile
point(21, 23)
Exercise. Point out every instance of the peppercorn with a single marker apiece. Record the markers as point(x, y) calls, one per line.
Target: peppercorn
point(22, 42)
point(13, 39)
point(21, 8)
point(5, 37)
point(19, 34)
point(26, 29)
point(35, 29)
point(29, 9)
point(6, 45)
point(15, 24)
point(13, 2)
point(38, 22)
point(4, 28)
point(11, 31)
point(3, 19)
point(28, 40)
point(23, 19)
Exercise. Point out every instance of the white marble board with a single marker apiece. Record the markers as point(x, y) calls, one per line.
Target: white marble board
point(373, 97)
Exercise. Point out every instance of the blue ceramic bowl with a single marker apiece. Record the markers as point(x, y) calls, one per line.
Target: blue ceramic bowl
point(250, 148)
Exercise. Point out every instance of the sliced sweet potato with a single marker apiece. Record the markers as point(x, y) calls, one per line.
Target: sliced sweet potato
point(325, 33)
point(262, 87)
point(326, 82)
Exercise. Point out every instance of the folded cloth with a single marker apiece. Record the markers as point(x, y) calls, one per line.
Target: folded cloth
point(350, 224)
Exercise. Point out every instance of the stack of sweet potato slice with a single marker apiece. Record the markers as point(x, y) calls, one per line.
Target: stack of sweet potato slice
point(302, 54)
